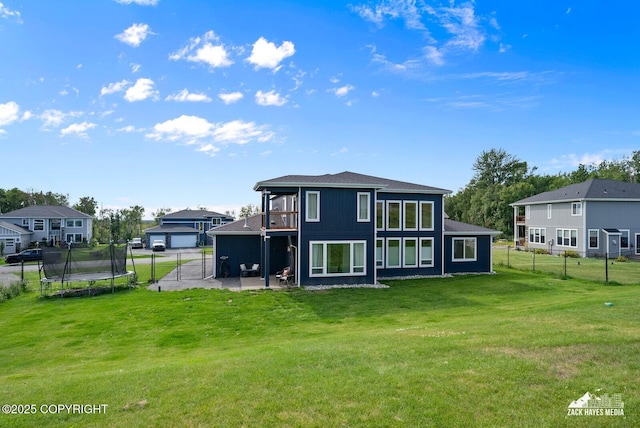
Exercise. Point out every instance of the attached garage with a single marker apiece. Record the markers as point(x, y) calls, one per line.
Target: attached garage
point(14, 238)
point(173, 236)
point(184, 241)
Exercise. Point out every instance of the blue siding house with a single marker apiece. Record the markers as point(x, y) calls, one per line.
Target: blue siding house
point(350, 228)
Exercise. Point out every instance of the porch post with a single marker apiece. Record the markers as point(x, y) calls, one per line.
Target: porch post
point(267, 242)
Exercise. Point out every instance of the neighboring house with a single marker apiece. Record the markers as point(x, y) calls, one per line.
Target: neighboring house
point(186, 228)
point(350, 228)
point(45, 224)
point(593, 218)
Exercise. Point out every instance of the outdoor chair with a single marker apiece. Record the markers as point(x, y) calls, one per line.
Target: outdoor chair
point(284, 276)
point(254, 270)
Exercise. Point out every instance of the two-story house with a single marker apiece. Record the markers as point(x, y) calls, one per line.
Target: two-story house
point(594, 218)
point(350, 228)
point(45, 224)
point(185, 228)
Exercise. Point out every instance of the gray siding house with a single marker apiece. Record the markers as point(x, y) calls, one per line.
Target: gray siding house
point(186, 228)
point(46, 224)
point(594, 218)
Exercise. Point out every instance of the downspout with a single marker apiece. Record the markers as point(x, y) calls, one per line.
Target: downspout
point(298, 272)
point(375, 234)
point(442, 238)
point(585, 232)
point(267, 247)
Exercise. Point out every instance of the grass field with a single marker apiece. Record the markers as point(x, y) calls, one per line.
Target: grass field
point(512, 349)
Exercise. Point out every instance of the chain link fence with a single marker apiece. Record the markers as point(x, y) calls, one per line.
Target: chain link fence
point(613, 270)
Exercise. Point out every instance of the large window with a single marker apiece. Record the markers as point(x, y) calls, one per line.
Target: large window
point(410, 215)
point(364, 207)
point(410, 252)
point(74, 237)
point(338, 258)
point(38, 224)
point(313, 206)
point(393, 252)
point(464, 249)
point(394, 220)
point(380, 215)
point(594, 236)
point(576, 208)
point(567, 237)
point(426, 215)
point(537, 235)
point(624, 238)
point(73, 222)
point(426, 252)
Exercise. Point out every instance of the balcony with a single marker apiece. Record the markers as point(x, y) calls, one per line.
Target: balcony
point(520, 219)
point(281, 220)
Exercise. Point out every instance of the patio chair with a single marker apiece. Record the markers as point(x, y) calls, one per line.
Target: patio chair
point(284, 276)
point(254, 270)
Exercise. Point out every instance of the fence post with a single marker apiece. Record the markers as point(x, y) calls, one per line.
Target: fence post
point(565, 264)
point(508, 248)
point(534, 260)
point(606, 267)
point(178, 266)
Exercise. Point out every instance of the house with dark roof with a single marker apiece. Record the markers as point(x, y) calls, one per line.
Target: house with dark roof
point(350, 228)
point(185, 228)
point(597, 217)
point(49, 224)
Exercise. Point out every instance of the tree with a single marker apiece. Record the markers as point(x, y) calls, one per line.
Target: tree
point(87, 205)
point(249, 210)
point(497, 167)
point(160, 212)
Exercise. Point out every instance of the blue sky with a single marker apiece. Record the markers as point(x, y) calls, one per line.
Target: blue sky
point(182, 104)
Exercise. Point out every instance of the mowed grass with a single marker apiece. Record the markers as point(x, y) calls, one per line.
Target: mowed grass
point(512, 349)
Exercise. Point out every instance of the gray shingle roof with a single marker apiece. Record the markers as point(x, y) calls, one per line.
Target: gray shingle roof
point(193, 214)
point(347, 179)
point(251, 226)
point(452, 227)
point(14, 227)
point(171, 228)
point(591, 189)
point(46, 211)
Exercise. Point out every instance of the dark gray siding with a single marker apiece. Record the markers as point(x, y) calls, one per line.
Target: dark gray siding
point(239, 249)
point(482, 264)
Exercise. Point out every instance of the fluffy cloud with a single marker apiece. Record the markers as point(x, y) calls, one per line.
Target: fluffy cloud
point(139, 2)
point(203, 50)
point(271, 98)
point(230, 98)
point(8, 112)
point(343, 90)
point(208, 136)
point(141, 90)
point(134, 35)
point(79, 129)
point(185, 95)
point(267, 55)
point(53, 118)
point(112, 88)
point(6, 13)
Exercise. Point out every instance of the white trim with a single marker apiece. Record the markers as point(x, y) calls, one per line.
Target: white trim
point(404, 215)
point(386, 255)
point(576, 209)
point(637, 241)
point(415, 253)
point(628, 238)
point(316, 218)
point(527, 212)
point(382, 214)
point(366, 219)
point(549, 211)
point(420, 264)
point(389, 202)
point(382, 260)
point(432, 215)
point(325, 253)
point(597, 231)
point(464, 258)
point(561, 244)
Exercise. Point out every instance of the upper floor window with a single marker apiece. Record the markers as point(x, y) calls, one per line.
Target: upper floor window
point(313, 206)
point(410, 215)
point(527, 212)
point(38, 224)
point(25, 222)
point(364, 207)
point(576, 208)
point(426, 215)
point(70, 222)
point(393, 215)
point(380, 215)
point(549, 211)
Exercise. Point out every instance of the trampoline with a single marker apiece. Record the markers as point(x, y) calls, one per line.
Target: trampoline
point(84, 266)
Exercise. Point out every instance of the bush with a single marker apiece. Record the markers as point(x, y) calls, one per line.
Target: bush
point(622, 259)
point(541, 251)
point(13, 290)
point(571, 254)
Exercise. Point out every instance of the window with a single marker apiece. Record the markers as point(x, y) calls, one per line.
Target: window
point(74, 237)
point(426, 215)
point(464, 249)
point(576, 208)
point(380, 252)
point(549, 208)
point(567, 237)
point(624, 238)
point(74, 223)
point(338, 258)
point(363, 207)
point(426, 252)
point(393, 252)
point(25, 222)
point(38, 224)
point(216, 221)
point(393, 215)
point(380, 215)
point(55, 224)
point(537, 235)
point(594, 236)
point(410, 252)
point(527, 211)
point(313, 206)
point(410, 215)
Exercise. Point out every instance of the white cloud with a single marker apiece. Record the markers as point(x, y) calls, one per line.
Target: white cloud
point(202, 50)
point(53, 118)
point(343, 90)
point(266, 55)
point(7, 13)
point(139, 2)
point(230, 98)
point(434, 55)
point(9, 113)
point(208, 136)
point(129, 128)
point(185, 95)
point(271, 98)
point(112, 88)
point(135, 67)
point(79, 129)
point(134, 35)
point(462, 23)
point(141, 90)
point(26, 116)
point(393, 9)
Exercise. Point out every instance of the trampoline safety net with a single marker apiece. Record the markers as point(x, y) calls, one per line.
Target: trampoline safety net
point(63, 262)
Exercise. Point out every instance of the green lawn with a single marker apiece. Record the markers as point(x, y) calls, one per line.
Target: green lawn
point(512, 349)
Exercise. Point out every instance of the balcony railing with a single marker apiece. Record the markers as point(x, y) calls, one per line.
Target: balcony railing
point(520, 219)
point(282, 220)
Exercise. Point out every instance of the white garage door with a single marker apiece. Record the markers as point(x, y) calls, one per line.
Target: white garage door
point(183, 241)
point(156, 238)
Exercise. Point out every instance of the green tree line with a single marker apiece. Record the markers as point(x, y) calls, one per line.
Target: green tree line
point(501, 178)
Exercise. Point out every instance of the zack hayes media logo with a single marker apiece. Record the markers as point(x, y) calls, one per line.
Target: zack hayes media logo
point(592, 405)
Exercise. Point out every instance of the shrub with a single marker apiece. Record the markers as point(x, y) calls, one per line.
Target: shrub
point(572, 254)
point(541, 251)
point(622, 259)
point(13, 290)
